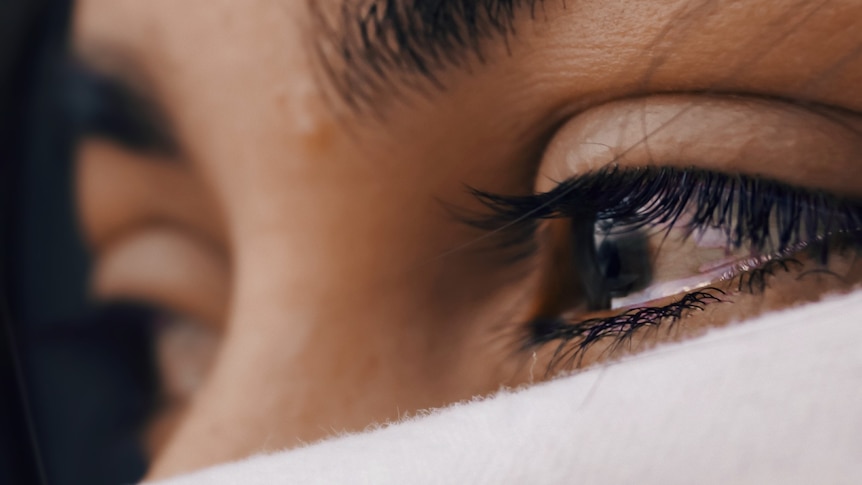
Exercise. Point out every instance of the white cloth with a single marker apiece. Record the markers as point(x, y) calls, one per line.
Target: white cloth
point(774, 400)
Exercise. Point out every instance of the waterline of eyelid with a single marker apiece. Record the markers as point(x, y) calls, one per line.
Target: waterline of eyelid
point(718, 274)
point(661, 291)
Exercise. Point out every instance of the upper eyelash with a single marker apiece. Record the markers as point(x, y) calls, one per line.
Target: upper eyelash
point(750, 210)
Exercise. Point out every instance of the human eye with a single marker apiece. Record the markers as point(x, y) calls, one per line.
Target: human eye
point(629, 249)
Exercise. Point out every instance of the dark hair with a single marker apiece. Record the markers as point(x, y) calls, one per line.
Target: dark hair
point(57, 356)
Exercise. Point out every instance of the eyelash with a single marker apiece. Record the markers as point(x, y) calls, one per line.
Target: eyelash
point(766, 215)
point(651, 196)
point(620, 327)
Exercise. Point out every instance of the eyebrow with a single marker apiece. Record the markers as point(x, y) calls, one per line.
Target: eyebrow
point(114, 107)
point(371, 47)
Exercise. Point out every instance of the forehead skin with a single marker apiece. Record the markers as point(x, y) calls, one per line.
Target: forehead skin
point(341, 311)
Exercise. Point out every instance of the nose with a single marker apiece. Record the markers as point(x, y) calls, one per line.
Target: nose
point(299, 364)
point(333, 323)
point(337, 311)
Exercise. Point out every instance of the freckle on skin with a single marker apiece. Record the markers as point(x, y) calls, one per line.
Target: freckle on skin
point(309, 118)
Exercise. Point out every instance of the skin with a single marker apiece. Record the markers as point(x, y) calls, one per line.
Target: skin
point(310, 239)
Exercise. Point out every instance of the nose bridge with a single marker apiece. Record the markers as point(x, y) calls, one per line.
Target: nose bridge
point(316, 365)
point(327, 394)
point(318, 302)
point(324, 301)
point(326, 331)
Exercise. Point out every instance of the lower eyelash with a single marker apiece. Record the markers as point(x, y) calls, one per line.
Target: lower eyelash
point(576, 337)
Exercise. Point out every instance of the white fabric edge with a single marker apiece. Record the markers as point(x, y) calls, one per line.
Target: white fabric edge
point(773, 400)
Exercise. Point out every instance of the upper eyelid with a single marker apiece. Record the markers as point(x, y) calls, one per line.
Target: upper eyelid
point(754, 135)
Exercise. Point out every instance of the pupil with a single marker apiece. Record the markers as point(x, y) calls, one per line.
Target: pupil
point(609, 260)
point(624, 262)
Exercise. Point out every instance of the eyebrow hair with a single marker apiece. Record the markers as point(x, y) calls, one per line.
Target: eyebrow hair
point(113, 107)
point(370, 47)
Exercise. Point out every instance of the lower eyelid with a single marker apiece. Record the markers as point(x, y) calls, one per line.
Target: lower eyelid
point(571, 336)
point(575, 337)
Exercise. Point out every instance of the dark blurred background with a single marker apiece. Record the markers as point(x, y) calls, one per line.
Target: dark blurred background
point(76, 380)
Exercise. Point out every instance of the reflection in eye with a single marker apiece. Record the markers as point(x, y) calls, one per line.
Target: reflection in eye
point(652, 244)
